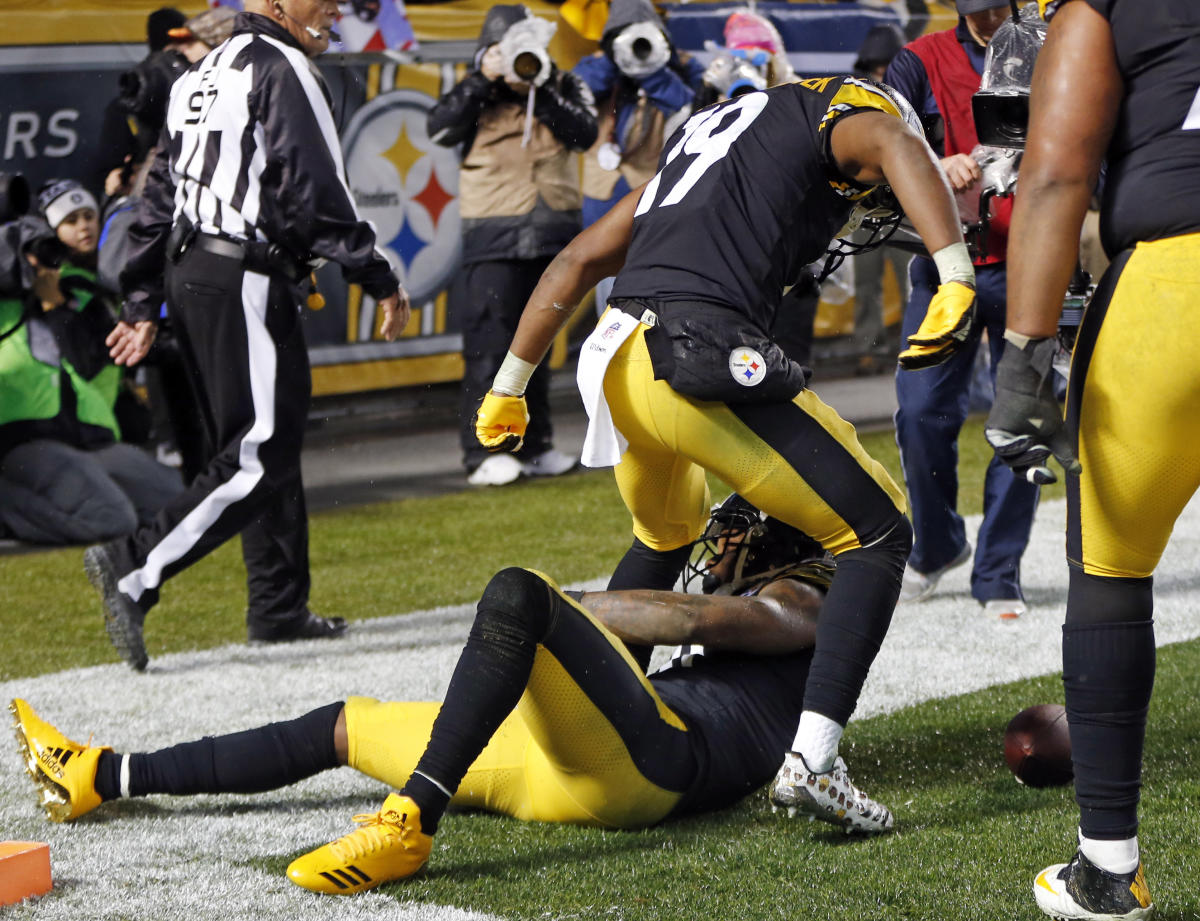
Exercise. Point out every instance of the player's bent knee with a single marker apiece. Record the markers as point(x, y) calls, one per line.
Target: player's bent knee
point(520, 595)
point(890, 551)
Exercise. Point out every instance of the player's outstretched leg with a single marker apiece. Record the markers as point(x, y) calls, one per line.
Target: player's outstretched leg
point(830, 796)
point(1080, 889)
point(64, 771)
point(387, 845)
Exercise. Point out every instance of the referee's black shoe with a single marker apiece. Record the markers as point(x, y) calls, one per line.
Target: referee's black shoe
point(309, 626)
point(122, 618)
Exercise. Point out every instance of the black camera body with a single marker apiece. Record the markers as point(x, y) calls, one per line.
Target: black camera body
point(20, 234)
point(146, 89)
point(15, 197)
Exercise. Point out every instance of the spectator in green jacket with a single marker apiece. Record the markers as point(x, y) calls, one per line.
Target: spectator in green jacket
point(65, 476)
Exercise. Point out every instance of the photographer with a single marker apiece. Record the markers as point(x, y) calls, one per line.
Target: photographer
point(65, 476)
point(519, 120)
point(940, 73)
point(644, 90)
point(752, 58)
point(130, 121)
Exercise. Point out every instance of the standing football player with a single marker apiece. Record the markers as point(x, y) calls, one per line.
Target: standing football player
point(1128, 441)
point(681, 376)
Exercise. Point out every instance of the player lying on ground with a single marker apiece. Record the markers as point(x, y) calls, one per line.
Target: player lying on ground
point(547, 718)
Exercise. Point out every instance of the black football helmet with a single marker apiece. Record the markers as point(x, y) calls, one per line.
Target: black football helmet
point(878, 213)
point(742, 548)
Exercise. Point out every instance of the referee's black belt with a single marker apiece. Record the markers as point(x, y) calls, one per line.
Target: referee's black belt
point(255, 256)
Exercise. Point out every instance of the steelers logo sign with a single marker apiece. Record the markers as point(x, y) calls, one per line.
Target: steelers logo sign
point(407, 187)
point(747, 367)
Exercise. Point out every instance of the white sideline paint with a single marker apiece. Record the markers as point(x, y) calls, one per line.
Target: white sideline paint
point(163, 857)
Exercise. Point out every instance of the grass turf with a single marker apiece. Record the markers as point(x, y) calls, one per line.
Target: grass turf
point(369, 561)
point(969, 840)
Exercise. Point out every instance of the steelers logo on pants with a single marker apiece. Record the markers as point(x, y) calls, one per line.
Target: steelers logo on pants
point(747, 367)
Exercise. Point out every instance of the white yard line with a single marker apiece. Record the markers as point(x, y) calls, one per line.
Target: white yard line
point(162, 858)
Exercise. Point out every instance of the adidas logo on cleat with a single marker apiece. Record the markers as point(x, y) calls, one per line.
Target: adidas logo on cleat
point(388, 845)
point(53, 760)
point(347, 877)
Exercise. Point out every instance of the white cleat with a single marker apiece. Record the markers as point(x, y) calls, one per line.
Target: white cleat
point(830, 796)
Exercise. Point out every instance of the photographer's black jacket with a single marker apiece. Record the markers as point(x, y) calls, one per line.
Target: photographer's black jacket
point(250, 151)
point(516, 202)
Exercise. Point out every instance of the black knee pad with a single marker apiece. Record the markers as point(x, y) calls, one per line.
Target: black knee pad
point(520, 598)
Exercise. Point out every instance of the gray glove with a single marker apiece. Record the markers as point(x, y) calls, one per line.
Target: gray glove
point(1026, 425)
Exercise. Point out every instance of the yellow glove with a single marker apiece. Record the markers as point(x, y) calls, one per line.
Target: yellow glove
point(500, 422)
point(946, 326)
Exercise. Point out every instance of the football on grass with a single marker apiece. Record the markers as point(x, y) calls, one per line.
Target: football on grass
point(1037, 746)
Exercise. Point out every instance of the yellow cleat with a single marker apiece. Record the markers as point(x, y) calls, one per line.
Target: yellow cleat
point(388, 845)
point(64, 771)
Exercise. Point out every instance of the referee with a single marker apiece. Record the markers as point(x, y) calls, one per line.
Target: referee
point(247, 195)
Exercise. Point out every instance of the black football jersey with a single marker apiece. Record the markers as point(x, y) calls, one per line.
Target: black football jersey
point(747, 195)
point(741, 712)
point(1152, 189)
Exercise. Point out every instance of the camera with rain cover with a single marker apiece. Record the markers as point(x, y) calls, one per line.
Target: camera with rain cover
point(1001, 111)
point(21, 234)
point(734, 71)
point(640, 49)
point(14, 202)
point(523, 50)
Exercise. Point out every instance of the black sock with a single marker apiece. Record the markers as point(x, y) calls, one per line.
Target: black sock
point(490, 677)
point(854, 620)
point(431, 799)
point(1108, 676)
point(252, 761)
point(108, 775)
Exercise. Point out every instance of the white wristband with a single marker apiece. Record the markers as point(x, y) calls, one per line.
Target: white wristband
point(513, 376)
point(954, 264)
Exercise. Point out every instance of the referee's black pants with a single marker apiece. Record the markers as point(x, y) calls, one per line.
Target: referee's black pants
point(241, 341)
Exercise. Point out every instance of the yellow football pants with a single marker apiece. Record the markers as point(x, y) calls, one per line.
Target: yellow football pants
point(798, 461)
point(557, 757)
point(1132, 406)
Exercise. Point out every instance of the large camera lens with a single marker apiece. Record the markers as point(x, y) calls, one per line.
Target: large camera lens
point(1001, 119)
point(14, 196)
point(146, 88)
point(527, 65)
point(50, 252)
point(642, 48)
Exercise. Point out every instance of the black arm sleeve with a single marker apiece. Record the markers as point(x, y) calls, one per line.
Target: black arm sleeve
point(317, 216)
point(455, 117)
point(565, 106)
point(142, 278)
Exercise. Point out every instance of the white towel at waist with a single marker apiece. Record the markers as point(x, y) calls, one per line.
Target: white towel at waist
point(603, 445)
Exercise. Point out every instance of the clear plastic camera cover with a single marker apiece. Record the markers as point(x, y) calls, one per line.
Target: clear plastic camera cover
point(1011, 53)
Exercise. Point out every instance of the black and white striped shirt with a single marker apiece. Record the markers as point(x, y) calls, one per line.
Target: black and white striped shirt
point(250, 151)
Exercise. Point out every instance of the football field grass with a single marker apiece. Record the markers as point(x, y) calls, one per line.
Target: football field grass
point(928, 739)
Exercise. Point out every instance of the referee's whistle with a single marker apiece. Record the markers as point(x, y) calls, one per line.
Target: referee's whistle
point(315, 299)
